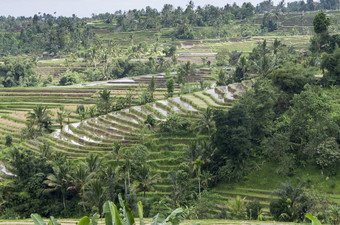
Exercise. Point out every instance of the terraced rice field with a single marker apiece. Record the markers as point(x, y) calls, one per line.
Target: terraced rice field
point(96, 135)
point(15, 103)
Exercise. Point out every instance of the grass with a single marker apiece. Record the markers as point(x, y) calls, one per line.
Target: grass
point(260, 185)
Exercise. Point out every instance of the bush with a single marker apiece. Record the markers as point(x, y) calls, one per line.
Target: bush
point(206, 207)
point(9, 140)
point(253, 210)
point(328, 155)
point(69, 78)
point(80, 108)
point(279, 208)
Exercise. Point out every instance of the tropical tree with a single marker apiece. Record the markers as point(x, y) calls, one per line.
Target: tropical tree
point(144, 179)
point(321, 23)
point(185, 72)
point(80, 179)
point(152, 86)
point(293, 203)
point(265, 65)
point(116, 150)
point(40, 117)
point(170, 87)
point(104, 102)
point(197, 164)
point(60, 180)
point(92, 163)
point(60, 117)
point(238, 207)
point(206, 121)
point(276, 46)
point(95, 193)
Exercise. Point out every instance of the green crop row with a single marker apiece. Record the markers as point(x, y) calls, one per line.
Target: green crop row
point(7, 117)
point(122, 120)
point(118, 125)
point(192, 103)
point(138, 113)
point(208, 102)
point(216, 100)
point(107, 129)
point(151, 109)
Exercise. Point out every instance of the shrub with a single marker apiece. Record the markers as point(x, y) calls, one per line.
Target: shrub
point(80, 108)
point(279, 208)
point(253, 210)
point(206, 207)
point(69, 78)
point(237, 207)
point(9, 140)
point(328, 155)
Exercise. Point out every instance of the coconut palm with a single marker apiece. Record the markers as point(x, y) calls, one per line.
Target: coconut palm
point(266, 65)
point(104, 101)
point(206, 121)
point(60, 117)
point(145, 180)
point(276, 46)
point(92, 163)
point(95, 193)
point(40, 118)
point(116, 150)
point(81, 179)
point(197, 167)
point(59, 180)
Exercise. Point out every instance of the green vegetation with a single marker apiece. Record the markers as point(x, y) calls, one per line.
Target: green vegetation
point(198, 113)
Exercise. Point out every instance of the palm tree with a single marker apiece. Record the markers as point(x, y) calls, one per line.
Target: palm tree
point(116, 150)
point(124, 171)
point(40, 117)
point(60, 117)
point(185, 72)
point(238, 207)
point(59, 180)
point(206, 121)
point(206, 178)
point(197, 167)
point(266, 65)
point(81, 178)
point(276, 46)
point(145, 180)
point(104, 101)
point(95, 193)
point(68, 115)
point(92, 163)
point(152, 86)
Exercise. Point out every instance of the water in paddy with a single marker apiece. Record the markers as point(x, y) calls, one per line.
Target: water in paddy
point(184, 104)
point(165, 113)
point(173, 107)
point(85, 138)
point(228, 94)
point(215, 95)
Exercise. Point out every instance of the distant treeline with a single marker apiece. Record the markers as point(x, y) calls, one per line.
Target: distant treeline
point(208, 15)
point(50, 34)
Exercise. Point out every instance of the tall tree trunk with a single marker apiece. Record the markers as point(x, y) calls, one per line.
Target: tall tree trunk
point(64, 199)
point(199, 187)
point(125, 187)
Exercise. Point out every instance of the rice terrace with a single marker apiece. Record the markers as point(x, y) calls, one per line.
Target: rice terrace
point(215, 113)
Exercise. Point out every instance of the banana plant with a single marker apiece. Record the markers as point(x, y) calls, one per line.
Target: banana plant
point(39, 221)
point(315, 221)
point(112, 216)
point(83, 221)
